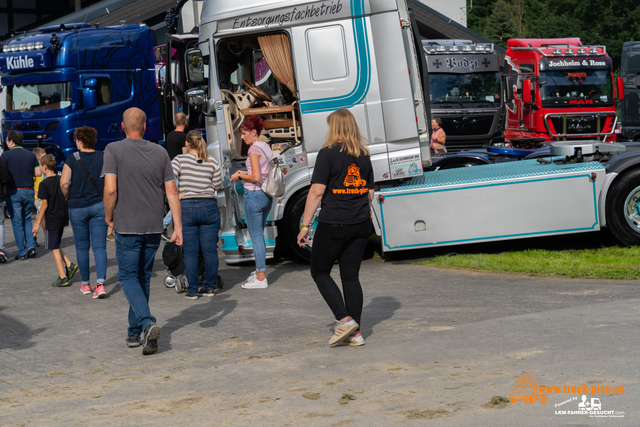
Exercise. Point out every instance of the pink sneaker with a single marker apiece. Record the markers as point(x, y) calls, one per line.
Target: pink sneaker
point(85, 289)
point(99, 292)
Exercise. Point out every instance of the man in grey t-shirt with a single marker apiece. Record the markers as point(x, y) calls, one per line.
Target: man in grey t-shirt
point(135, 173)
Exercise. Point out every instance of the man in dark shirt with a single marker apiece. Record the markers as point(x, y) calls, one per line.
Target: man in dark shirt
point(176, 138)
point(22, 165)
point(175, 146)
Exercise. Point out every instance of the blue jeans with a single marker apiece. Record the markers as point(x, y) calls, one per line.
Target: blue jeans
point(135, 254)
point(167, 220)
point(200, 227)
point(90, 230)
point(20, 204)
point(256, 210)
point(1, 225)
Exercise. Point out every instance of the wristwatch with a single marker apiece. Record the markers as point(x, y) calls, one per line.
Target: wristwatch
point(305, 227)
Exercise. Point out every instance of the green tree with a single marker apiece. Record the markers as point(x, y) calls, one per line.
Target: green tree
point(479, 14)
point(501, 25)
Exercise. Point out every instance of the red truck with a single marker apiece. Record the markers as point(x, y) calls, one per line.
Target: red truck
point(558, 89)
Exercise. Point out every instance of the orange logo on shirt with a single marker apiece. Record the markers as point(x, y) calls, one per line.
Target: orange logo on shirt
point(353, 177)
point(353, 180)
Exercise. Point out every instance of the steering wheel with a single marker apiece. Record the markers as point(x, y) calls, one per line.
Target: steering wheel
point(236, 113)
point(256, 91)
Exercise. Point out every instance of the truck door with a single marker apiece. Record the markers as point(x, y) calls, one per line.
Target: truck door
point(104, 118)
point(222, 134)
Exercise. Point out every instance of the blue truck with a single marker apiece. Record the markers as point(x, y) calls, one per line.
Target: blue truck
point(70, 75)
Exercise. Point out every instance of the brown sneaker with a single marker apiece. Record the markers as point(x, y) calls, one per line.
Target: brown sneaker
point(343, 329)
point(352, 340)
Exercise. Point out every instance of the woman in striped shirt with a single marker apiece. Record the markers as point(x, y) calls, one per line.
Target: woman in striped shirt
point(199, 177)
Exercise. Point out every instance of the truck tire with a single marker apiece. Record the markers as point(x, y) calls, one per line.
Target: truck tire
point(291, 225)
point(623, 208)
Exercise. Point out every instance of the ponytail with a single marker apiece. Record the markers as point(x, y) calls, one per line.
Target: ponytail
point(196, 141)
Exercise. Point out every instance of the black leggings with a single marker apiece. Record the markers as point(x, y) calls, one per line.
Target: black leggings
point(346, 244)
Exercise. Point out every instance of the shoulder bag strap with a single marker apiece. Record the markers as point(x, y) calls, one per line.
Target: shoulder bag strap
point(86, 171)
point(268, 162)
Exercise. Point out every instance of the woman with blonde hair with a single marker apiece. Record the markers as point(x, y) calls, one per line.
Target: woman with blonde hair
point(199, 177)
point(343, 181)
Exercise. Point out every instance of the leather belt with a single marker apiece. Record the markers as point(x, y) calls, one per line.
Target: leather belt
point(20, 188)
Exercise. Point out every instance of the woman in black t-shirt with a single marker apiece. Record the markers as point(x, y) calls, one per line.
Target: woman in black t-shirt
point(86, 209)
point(343, 181)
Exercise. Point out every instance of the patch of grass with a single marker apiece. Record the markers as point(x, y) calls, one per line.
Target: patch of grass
point(497, 402)
point(416, 414)
point(343, 423)
point(317, 414)
point(607, 263)
point(311, 396)
point(346, 398)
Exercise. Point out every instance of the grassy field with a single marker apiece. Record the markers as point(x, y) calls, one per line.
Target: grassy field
point(606, 263)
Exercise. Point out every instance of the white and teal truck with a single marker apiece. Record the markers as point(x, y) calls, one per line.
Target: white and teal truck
point(293, 62)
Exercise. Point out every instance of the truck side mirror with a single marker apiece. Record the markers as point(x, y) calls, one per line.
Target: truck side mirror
point(89, 98)
point(527, 91)
point(195, 65)
point(161, 76)
point(620, 84)
point(197, 96)
point(508, 88)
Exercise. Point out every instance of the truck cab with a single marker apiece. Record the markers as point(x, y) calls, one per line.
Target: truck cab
point(465, 91)
point(293, 65)
point(65, 76)
point(630, 73)
point(559, 89)
point(173, 75)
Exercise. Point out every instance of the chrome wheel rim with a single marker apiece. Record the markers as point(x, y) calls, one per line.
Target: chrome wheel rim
point(632, 209)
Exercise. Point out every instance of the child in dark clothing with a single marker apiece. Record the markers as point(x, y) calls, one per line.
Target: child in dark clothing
point(56, 213)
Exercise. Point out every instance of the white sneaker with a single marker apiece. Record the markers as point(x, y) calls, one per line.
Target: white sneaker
point(343, 329)
point(256, 284)
point(251, 277)
point(352, 340)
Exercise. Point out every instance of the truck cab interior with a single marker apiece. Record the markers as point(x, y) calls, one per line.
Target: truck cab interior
point(256, 78)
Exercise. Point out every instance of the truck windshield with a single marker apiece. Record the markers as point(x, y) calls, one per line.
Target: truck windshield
point(464, 88)
point(576, 87)
point(37, 97)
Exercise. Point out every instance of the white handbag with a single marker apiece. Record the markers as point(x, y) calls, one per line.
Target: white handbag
point(273, 185)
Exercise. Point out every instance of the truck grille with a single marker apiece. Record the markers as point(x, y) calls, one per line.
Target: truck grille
point(584, 125)
point(478, 126)
point(576, 125)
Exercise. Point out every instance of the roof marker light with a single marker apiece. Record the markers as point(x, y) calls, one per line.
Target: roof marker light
point(569, 51)
point(593, 50)
point(582, 51)
point(557, 51)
